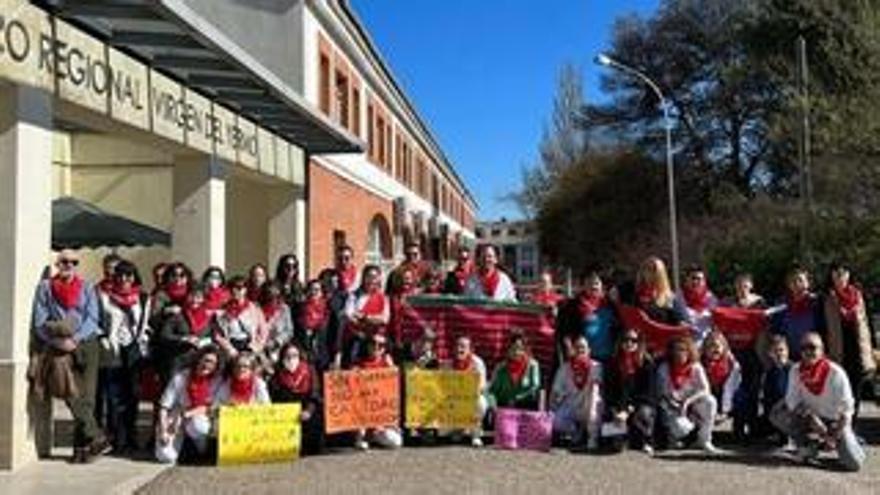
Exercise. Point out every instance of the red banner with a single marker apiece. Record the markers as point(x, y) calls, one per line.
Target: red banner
point(741, 326)
point(486, 323)
point(657, 335)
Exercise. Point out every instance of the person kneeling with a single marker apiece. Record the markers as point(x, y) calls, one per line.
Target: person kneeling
point(819, 406)
point(686, 401)
point(377, 357)
point(575, 399)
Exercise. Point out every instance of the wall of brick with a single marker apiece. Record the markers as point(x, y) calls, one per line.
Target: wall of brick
point(338, 204)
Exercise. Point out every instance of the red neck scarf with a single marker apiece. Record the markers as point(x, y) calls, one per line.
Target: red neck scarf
point(589, 303)
point(849, 298)
point(799, 303)
point(462, 273)
point(106, 285)
point(373, 362)
point(217, 297)
point(197, 317)
point(315, 312)
point(679, 374)
point(375, 303)
point(580, 370)
point(271, 309)
point(125, 298)
point(241, 391)
point(198, 388)
point(347, 277)
point(253, 291)
point(547, 298)
point(464, 364)
point(815, 377)
point(489, 281)
point(697, 298)
point(628, 363)
point(177, 293)
point(646, 294)
point(718, 370)
point(516, 368)
point(235, 307)
point(67, 293)
point(298, 381)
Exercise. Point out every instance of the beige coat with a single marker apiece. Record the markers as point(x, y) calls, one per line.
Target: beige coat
point(835, 334)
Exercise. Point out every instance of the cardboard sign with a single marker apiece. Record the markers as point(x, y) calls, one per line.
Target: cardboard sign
point(526, 430)
point(258, 434)
point(442, 399)
point(359, 399)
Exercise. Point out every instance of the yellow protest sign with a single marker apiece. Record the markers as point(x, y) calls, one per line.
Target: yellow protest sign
point(258, 434)
point(442, 399)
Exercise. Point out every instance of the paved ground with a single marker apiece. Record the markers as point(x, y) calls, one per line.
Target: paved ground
point(462, 470)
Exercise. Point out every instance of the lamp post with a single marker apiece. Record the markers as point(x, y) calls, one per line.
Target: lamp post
point(605, 60)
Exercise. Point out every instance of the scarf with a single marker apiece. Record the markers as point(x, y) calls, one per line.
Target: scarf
point(462, 273)
point(580, 370)
point(464, 364)
point(315, 313)
point(547, 298)
point(679, 374)
point(271, 309)
point(375, 303)
point(234, 307)
point(217, 297)
point(177, 293)
point(516, 368)
point(198, 389)
point(628, 363)
point(718, 370)
point(815, 377)
point(253, 291)
point(373, 362)
point(697, 298)
point(849, 300)
point(799, 304)
point(106, 285)
point(241, 391)
point(125, 298)
point(196, 317)
point(67, 293)
point(589, 303)
point(347, 277)
point(298, 381)
point(489, 281)
point(646, 294)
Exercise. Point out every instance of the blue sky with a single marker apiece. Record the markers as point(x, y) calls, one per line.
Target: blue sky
point(482, 73)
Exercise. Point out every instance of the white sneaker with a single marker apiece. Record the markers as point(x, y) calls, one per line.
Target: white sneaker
point(648, 450)
point(362, 445)
point(476, 442)
point(710, 449)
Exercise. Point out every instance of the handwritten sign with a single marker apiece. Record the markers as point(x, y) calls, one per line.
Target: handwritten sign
point(442, 399)
point(361, 399)
point(258, 434)
point(526, 430)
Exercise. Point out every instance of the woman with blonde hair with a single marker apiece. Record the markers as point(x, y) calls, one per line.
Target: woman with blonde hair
point(723, 372)
point(654, 295)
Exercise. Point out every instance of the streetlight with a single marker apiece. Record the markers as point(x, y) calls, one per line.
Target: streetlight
point(605, 60)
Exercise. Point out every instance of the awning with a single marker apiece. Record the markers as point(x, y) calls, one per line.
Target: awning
point(170, 37)
point(78, 224)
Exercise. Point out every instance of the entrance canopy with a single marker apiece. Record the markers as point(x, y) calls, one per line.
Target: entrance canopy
point(77, 224)
point(171, 37)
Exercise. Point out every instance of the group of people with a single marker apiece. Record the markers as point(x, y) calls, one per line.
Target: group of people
point(218, 341)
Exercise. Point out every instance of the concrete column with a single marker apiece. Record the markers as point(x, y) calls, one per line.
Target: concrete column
point(287, 225)
point(199, 229)
point(301, 240)
point(25, 228)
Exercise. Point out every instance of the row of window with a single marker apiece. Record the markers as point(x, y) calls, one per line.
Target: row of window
point(340, 98)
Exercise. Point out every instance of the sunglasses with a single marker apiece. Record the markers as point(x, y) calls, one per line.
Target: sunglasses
point(68, 262)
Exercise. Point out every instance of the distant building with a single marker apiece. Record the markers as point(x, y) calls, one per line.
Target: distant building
point(517, 242)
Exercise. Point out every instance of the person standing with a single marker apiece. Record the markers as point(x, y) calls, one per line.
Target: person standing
point(592, 315)
point(801, 312)
point(654, 295)
point(546, 295)
point(412, 264)
point(489, 281)
point(311, 329)
point(346, 270)
point(367, 313)
point(819, 407)
point(258, 276)
point(241, 326)
point(287, 277)
point(65, 320)
point(456, 279)
point(698, 301)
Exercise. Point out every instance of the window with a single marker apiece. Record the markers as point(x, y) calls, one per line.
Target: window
point(324, 84)
point(342, 107)
point(496, 232)
point(380, 139)
point(356, 110)
point(389, 147)
point(371, 132)
point(479, 233)
point(512, 232)
point(508, 256)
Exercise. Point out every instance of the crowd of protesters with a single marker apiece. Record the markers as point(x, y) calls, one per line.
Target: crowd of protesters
point(214, 341)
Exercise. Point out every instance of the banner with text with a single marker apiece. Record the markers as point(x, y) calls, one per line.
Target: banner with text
point(442, 399)
point(258, 434)
point(356, 399)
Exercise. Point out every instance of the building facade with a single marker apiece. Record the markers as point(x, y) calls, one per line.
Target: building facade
point(206, 119)
point(517, 243)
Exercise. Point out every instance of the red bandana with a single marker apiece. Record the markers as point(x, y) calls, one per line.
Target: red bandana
point(235, 308)
point(125, 298)
point(199, 390)
point(253, 291)
point(271, 309)
point(489, 282)
point(679, 374)
point(462, 273)
point(373, 362)
point(815, 377)
point(849, 300)
point(315, 313)
point(580, 370)
point(375, 304)
point(106, 285)
point(697, 298)
point(516, 368)
point(547, 298)
point(799, 304)
point(217, 297)
point(718, 370)
point(196, 317)
point(242, 391)
point(464, 364)
point(347, 277)
point(177, 293)
point(298, 381)
point(67, 293)
point(628, 363)
point(589, 303)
